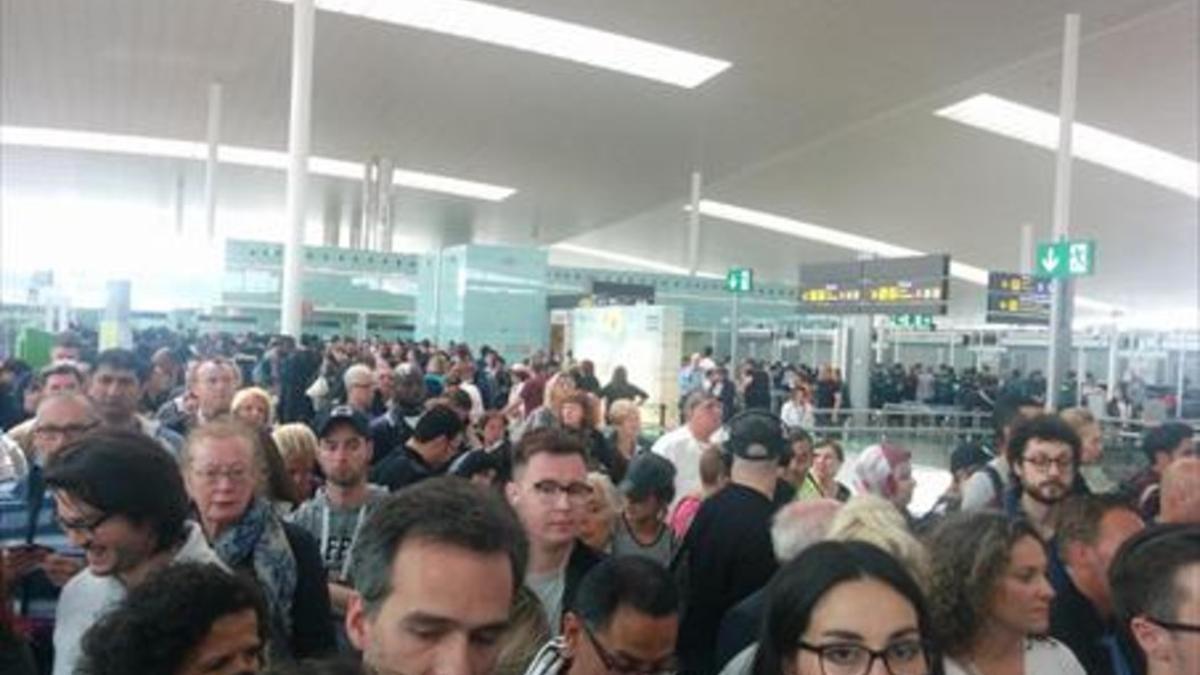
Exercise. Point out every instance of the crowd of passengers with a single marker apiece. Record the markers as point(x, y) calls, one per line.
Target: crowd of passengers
point(242, 504)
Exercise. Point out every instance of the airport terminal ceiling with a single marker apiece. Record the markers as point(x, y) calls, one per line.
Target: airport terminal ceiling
point(826, 115)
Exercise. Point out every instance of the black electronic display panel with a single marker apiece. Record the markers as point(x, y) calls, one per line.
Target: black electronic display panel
point(608, 293)
point(1018, 299)
point(917, 285)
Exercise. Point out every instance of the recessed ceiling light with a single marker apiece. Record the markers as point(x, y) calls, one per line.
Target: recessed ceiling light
point(68, 139)
point(626, 259)
point(827, 235)
point(1130, 157)
point(538, 34)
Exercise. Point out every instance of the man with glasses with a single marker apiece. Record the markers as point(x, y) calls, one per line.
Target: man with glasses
point(1045, 453)
point(549, 491)
point(623, 619)
point(38, 558)
point(119, 496)
point(1155, 580)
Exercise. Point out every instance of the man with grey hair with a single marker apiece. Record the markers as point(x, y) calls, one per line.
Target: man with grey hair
point(38, 557)
point(360, 387)
point(794, 528)
point(684, 445)
point(1180, 492)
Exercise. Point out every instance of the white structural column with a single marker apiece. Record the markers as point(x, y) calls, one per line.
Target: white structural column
point(1026, 257)
point(1180, 384)
point(303, 16)
point(1062, 303)
point(693, 252)
point(213, 138)
point(1114, 341)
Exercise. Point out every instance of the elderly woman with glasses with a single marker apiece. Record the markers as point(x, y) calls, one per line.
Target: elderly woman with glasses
point(222, 469)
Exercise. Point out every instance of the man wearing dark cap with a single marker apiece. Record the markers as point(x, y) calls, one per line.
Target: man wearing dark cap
point(433, 444)
point(120, 498)
point(728, 549)
point(335, 514)
point(648, 488)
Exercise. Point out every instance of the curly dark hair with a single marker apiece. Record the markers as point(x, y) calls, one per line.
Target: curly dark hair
point(973, 553)
point(161, 620)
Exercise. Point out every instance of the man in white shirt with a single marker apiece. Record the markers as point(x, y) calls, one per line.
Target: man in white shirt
point(684, 445)
point(119, 496)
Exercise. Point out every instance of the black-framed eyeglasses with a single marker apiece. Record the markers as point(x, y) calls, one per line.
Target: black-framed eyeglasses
point(549, 490)
point(618, 666)
point(1173, 626)
point(87, 526)
point(905, 657)
point(71, 431)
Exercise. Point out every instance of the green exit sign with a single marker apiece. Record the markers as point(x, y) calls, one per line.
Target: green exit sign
point(1065, 259)
point(913, 321)
point(739, 280)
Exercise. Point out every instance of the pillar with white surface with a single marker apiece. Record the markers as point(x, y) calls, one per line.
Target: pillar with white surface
point(299, 131)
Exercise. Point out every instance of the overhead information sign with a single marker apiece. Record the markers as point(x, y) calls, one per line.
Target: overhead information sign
point(1018, 299)
point(918, 285)
point(1066, 259)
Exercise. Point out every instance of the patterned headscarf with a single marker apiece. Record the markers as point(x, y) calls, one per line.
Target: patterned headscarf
point(875, 466)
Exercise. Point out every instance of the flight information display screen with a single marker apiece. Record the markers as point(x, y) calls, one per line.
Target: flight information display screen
point(918, 285)
point(1018, 299)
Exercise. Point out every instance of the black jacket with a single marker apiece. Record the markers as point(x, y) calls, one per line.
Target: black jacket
point(1077, 624)
point(739, 628)
point(403, 468)
point(583, 559)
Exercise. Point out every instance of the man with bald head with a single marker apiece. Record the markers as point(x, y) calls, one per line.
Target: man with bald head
point(1180, 500)
point(794, 528)
point(38, 557)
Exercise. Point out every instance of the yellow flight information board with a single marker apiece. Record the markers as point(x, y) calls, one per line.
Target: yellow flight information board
point(918, 285)
point(1020, 299)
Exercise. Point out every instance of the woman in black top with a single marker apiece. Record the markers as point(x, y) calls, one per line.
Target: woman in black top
point(620, 387)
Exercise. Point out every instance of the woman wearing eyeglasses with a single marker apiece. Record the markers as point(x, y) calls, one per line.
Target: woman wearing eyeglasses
point(990, 598)
point(222, 471)
point(845, 608)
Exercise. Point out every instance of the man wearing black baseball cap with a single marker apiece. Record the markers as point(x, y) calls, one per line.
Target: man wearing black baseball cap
point(427, 453)
point(335, 514)
point(728, 548)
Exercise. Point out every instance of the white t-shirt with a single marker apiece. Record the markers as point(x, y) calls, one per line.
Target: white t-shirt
point(684, 451)
point(549, 588)
point(1043, 656)
point(980, 491)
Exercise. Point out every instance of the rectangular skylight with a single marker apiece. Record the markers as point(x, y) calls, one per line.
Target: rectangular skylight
point(538, 34)
point(68, 139)
point(1130, 157)
point(826, 235)
point(627, 259)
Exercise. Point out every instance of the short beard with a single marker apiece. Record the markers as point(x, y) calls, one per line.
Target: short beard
point(1036, 494)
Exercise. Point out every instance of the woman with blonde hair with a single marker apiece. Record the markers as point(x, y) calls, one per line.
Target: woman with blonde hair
point(298, 447)
point(252, 405)
point(875, 520)
point(624, 435)
point(1087, 427)
point(600, 515)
